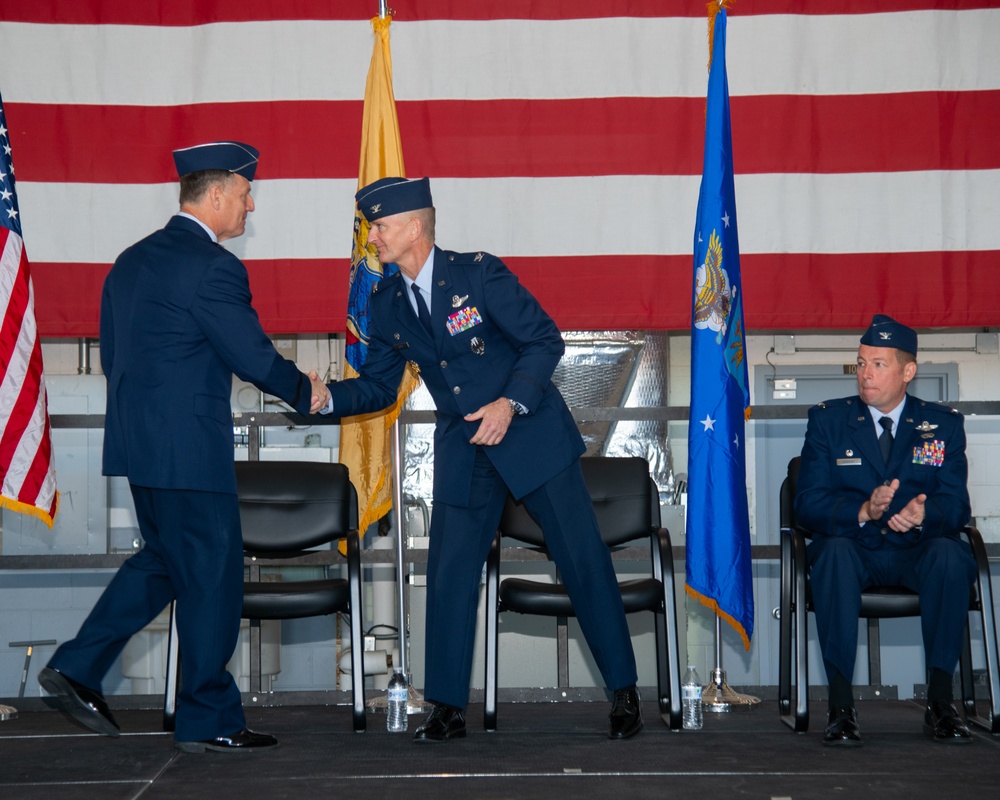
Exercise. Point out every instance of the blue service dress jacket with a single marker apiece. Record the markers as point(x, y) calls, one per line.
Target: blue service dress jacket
point(490, 338)
point(841, 466)
point(176, 323)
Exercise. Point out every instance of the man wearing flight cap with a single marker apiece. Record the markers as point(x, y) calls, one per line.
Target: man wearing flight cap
point(882, 488)
point(486, 351)
point(176, 323)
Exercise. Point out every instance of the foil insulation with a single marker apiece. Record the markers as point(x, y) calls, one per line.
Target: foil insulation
point(601, 370)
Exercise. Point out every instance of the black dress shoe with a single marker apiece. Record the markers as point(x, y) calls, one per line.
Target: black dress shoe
point(842, 728)
point(443, 723)
point(86, 706)
point(626, 714)
point(943, 724)
point(243, 741)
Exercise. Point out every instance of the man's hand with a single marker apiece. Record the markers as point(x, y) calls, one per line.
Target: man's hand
point(911, 516)
point(320, 394)
point(495, 418)
point(874, 507)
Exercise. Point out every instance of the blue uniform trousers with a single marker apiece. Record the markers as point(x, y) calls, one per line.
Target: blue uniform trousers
point(940, 570)
point(460, 539)
point(193, 553)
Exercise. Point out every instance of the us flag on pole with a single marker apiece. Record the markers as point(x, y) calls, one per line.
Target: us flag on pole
point(26, 464)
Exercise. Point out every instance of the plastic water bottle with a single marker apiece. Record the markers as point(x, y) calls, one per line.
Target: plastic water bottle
point(691, 700)
point(398, 699)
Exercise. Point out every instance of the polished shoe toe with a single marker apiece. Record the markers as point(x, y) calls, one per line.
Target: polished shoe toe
point(943, 723)
point(85, 705)
point(242, 741)
point(626, 714)
point(842, 728)
point(443, 723)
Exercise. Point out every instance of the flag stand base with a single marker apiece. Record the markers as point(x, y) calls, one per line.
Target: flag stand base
point(719, 697)
point(415, 703)
point(7, 712)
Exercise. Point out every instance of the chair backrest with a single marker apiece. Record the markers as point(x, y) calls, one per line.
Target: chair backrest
point(625, 501)
point(788, 488)
point(289, 506)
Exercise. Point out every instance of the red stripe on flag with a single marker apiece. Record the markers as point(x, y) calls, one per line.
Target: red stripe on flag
point(782, 290)
point(40, 464)
point(101, 12)
point(537, 138)
point(22, 412)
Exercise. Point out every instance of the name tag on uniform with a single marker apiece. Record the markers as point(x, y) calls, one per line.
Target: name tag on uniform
point(848, 462)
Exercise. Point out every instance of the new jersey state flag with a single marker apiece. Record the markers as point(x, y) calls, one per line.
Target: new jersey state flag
point(719, 570)
point(365, 440)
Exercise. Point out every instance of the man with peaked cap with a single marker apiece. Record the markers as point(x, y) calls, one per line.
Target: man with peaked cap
point(882, 489)
point(486, 351)
point(176, 324)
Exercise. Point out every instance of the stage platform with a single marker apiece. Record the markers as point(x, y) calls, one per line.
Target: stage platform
point(555, 751)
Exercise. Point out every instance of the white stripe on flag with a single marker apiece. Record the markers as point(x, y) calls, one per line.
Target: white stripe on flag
point(536, 59)
point(626, 214)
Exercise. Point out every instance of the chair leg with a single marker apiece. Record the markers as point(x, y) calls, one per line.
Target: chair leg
point(984, 587)
point(785, 630)
point(793, 651)
point(874, 652)
point(966, 679)
point(173, 673)
point(665, 625)
point(492, 635)
point(357, 639)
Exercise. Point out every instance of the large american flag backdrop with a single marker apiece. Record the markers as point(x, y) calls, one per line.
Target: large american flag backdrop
point(563, 135)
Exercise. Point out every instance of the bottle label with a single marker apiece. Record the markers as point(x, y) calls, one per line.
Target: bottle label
point(691, 692)
point(397, 694)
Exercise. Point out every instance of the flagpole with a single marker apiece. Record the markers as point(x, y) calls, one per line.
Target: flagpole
point(718, 696)
point(382, 9)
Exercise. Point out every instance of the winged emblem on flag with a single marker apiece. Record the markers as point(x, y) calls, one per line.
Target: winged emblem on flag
point(713, 291)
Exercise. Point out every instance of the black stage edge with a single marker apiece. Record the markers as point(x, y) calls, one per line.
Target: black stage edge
point(540, 750)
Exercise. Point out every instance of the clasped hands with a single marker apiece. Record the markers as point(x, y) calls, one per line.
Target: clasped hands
point(906, 519)
point(320, 393)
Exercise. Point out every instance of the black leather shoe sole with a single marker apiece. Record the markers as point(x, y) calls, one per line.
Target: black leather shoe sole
point(930, 733)
point(423, 736)
point(628, 733)
point(70, 701)
point(253, 742)
point(841, 742)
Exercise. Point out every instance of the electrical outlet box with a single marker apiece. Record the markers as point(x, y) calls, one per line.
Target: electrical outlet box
point(784, 389)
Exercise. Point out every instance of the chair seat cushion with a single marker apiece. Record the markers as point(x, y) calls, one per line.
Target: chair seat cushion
point(278, 600)
point(526, 596)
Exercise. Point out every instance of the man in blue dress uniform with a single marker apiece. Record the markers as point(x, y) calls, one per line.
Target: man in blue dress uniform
point(176, 323)
point(486, 352)
point(882, 488)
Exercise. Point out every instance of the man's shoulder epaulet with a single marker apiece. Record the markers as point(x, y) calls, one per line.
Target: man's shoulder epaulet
point(840, 402)
point(928, 407)
point(466, 259)
point(387, 281)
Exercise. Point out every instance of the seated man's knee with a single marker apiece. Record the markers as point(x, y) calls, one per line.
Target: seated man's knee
point(949, 557)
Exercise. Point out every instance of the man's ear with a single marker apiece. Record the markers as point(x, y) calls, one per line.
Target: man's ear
point(909, 371)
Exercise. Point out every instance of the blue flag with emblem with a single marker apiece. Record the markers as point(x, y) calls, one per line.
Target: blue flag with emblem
point(719, 570)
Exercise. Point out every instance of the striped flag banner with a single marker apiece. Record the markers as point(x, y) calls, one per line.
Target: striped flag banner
point(27, 470)
point(868, 173)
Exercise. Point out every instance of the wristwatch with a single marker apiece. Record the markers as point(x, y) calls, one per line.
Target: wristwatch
point(515, 407)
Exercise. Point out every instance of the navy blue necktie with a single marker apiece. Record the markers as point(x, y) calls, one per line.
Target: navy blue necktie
point(422, 313)
point(885, 439)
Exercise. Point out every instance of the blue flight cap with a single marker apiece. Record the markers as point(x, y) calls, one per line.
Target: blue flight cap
point(231, 156)
point(886, 332)
point(388, 196)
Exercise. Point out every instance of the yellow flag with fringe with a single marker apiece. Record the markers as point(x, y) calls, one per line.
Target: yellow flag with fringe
point(365, 440)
